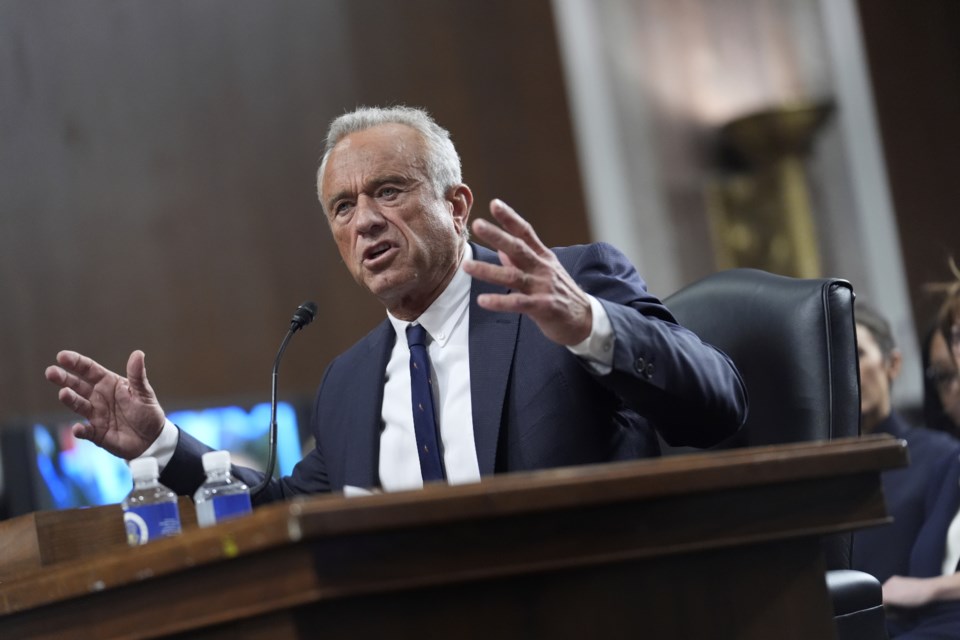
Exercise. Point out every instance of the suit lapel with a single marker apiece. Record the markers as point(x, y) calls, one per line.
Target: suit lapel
point(493, 340)
point(363, 444)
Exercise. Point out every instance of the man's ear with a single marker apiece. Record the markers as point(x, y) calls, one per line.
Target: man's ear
point(894, 364)
point(460, 199)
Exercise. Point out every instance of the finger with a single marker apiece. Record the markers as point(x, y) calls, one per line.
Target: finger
point(512, 303)
point(82, 431)
point(61, 378)
point(516, 225)
point(505, 259)
point(82, 366)
point(516, 249)
point(505, 276)
point(137, 373)
point(76, 403)
point(56, 375)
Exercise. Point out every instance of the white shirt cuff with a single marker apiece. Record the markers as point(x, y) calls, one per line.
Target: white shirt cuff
point(163, 447)
point(597, 348)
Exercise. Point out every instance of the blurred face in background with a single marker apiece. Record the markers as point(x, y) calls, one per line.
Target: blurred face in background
point(877, 373)
point(943, 373)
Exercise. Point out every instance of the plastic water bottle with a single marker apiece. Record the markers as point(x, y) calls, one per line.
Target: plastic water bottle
point(150, 509)
point(222, 496)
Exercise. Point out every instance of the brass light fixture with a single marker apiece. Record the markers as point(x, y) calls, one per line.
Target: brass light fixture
point(759, 205)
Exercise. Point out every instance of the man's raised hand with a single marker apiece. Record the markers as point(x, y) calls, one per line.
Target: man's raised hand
point(122, 415)
point(540, 287)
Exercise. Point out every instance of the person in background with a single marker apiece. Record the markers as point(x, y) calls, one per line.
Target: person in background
point(941, 385)
point(924, 600)
point(884, 551)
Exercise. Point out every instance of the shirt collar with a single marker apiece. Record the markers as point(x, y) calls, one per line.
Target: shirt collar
point(442, 316)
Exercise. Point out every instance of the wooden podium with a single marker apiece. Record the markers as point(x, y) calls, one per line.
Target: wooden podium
point(721, 545)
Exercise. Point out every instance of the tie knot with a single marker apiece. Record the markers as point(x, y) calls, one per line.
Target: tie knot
point(416, 335)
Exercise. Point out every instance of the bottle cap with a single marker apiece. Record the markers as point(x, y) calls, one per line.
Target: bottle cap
point(144, 468)
point(216, 461)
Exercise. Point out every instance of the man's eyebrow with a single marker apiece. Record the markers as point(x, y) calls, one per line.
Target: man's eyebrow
point(382, 180)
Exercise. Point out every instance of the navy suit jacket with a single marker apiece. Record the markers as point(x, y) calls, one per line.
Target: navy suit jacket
point(535, 404)
point(939, 619)
point(885, 551)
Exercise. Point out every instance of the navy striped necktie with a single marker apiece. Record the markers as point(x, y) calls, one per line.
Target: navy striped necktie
point(424, 415)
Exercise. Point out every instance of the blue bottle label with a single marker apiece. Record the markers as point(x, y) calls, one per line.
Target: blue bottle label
point(151, 521)
point(231, 506)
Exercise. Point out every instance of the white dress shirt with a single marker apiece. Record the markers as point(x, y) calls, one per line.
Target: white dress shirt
point(447, 322)
point(951, 552)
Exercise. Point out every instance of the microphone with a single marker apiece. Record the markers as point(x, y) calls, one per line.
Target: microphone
point(301, 317)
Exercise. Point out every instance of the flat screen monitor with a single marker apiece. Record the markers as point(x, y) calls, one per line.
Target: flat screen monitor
point(66, 472)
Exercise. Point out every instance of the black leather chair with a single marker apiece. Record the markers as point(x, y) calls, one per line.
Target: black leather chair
point(794, 342)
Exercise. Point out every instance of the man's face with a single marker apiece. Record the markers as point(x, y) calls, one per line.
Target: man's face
point(944, 373)
point(397, 236)
point(876, 376)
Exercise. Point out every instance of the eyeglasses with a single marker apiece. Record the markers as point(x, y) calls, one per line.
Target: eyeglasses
point(942, 378)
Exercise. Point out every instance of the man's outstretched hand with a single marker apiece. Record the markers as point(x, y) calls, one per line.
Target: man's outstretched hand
point(540, 287)
point(122, 415)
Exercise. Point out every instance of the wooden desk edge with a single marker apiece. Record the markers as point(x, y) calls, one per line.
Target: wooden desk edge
point(554, 490)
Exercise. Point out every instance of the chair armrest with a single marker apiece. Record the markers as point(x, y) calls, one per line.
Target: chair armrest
point(857, 600)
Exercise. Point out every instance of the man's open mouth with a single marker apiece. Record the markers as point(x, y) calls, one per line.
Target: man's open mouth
point(372, 254)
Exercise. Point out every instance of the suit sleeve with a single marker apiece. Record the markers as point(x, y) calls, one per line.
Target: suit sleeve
point(688, 390)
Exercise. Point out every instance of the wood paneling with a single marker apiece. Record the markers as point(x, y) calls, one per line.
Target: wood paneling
point(157, 168)
point(913, 50)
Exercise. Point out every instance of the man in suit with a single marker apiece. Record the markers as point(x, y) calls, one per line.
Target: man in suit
point(534, 358)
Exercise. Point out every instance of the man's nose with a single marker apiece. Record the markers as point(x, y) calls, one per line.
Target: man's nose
point(369, 218)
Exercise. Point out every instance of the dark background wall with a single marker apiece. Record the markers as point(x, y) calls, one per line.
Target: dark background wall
point(157, 168)
point(913, 50)
point(157, 159)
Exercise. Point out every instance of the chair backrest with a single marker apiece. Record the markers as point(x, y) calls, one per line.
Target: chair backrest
point(795, 344)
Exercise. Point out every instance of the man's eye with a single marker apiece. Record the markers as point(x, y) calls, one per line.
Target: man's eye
point(389, 192)
point(341, 208)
